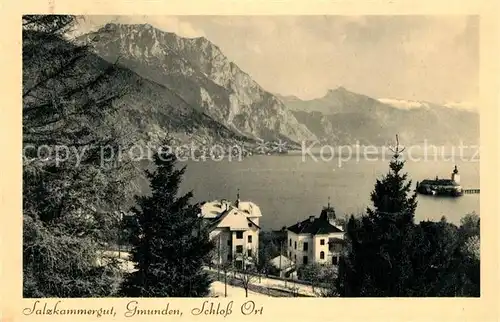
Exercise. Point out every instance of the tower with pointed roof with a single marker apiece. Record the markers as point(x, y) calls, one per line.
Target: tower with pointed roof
point(328, 213)
point(455, 176)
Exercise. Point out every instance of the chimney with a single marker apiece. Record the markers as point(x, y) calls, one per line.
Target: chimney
point(237, 203)
point(311, 218)
point(224, 205)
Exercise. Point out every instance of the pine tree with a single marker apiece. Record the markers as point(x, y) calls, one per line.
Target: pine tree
point(169, 245)
point(393, 219)
point(67, 205)
point(379, 262)
point(392, 197)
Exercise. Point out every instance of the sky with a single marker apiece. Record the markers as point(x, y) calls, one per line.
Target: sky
point(431, 58)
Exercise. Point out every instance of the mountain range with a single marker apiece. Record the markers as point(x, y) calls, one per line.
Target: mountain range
point(188, 88)
point(345, 117)
point(198, 73)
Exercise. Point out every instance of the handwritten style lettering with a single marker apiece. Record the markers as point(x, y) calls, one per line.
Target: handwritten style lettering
point(45, 308)
point(250, 308)
point(133, 309)
point(209, 308)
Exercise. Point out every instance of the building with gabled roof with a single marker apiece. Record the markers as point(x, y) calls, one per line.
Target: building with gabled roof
point(318, 240)
point(235, 229)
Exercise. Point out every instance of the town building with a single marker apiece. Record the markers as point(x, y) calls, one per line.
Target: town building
point(316, 240)
point(235, 229)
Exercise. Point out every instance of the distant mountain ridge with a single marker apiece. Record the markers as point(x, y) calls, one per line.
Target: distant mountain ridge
point(345, 117)
point(198, 72)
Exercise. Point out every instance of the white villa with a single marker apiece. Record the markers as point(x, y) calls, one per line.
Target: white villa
point(235, 228)
point(317, 240)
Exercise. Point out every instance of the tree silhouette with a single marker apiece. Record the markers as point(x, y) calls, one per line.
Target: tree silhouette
point(247, 273)
point(170, 245)
point(379, 262)
point(68, 197)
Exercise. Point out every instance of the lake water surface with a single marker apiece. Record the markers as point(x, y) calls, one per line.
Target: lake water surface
point(289, 188)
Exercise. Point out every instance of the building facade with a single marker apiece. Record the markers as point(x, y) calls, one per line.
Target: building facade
point(315, 240)
point(235, 229)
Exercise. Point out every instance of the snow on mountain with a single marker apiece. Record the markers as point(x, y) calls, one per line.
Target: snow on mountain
point(469, 106)
point(409, 104)
point(403, 104)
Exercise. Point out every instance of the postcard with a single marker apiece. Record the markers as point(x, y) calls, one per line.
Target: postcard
point(250, 161)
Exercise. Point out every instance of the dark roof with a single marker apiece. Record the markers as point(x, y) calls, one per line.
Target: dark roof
point(439, 182)
point(252, 222)
point(213, 222)
point(317, 226)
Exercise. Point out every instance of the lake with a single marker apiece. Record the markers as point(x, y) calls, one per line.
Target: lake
point(289, 188)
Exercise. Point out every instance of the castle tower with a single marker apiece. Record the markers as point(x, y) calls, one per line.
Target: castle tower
point(455, 176)
point(328, 213)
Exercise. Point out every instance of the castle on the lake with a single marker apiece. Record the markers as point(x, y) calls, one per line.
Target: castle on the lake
point(442, 187)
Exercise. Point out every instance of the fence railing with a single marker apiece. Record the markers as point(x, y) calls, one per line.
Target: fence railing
point(283, 279)
point(270, 291)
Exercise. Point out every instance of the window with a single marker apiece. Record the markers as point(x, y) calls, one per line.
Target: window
point(239, 249)
point(229, 242)
point(290, 254)
point(322, 242)
point(295, 245)
point(334, 260)
point(249, 252)
point(295, 257)
point(306, 246)
point(290, 242)
point(238, 264)
point(229, 257)
point(249, 238)
point(304, 260)
point(239, 235)
point(322, 255)
point(249, 225)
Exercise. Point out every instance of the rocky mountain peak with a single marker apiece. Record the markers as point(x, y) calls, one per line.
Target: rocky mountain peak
point(198, 71)
point(340, 90)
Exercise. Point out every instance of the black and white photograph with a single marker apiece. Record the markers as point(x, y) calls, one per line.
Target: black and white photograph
point(246, 156)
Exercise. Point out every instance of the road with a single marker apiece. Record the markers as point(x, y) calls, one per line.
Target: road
point(217, 290)
point(276, 284)
point(262, 283)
